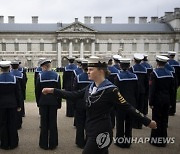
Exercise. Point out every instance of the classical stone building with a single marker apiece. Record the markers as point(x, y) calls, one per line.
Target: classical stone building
point(57, 41)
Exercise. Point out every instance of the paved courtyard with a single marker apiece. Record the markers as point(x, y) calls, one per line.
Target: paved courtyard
point(29, 136)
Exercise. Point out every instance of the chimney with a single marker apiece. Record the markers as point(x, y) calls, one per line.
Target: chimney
point(97, 20)
point(76, 19)
point(154, 19)
point(176, 10)
point(142, 20)
point(108, 20)
point(87, 19)
point(59, 24)
point(11, 19)
point(168, 13)
point(35, 19)
point(1, 19)
point(131, 20)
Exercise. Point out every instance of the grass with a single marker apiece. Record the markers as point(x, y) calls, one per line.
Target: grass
point(30, 93)
point(30, 97)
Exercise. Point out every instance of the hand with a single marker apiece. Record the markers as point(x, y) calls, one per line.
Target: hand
point(47, 90)
point(152, 124)
point(18, 109)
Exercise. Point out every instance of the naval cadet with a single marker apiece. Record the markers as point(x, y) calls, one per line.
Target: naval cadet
point(149, 68)
point(24, 71)
point(116, 61)
point(141, 73)
point(79, 69)
point(22, 81)
point(9, 105)
point(112, 75)
point(48, 104)
point(81, 81)
point(37, 71)
point(167, 66)
point(160, 99)
point(100, 96)
point(127, 83)
point(172, 62)
point(68, 80)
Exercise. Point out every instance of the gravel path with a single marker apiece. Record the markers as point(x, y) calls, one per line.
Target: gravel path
point(29, 136)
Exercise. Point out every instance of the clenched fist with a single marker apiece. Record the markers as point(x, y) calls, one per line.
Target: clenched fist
point(152, 124)
point(47, 91)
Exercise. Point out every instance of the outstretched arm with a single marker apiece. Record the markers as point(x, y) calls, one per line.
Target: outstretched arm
point(118, 98)
point(65, 94)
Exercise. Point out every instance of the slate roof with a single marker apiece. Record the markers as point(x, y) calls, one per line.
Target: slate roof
point(100, 28)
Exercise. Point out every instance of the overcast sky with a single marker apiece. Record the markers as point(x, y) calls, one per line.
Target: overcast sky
point(52, 11)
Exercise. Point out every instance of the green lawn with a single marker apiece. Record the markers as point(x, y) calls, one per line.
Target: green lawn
point(30, 97)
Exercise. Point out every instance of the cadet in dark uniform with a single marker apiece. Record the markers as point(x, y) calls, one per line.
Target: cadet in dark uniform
point(172, 110)
point(116, 61)
point(149, 68)
point(127, 83)
point(160, 99)
point(173, 63)
point(23, 70)
point(37, 71)
point(81, 82)
point(48, 105)
point(68, 80)
point(141, 73)
point(113, 74)
point(9, 105)
point(100, 97)
point(22, 81)
point(79, 69)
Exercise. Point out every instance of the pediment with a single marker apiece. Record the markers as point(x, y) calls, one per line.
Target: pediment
point(77, 27)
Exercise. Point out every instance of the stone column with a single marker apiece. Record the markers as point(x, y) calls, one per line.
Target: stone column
point(82, 50)
point(59, 49)
point(70, 48)
point(176, 48)
point(92, 48)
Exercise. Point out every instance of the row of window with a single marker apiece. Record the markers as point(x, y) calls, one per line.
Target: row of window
point(87, 47)
point(29, 46)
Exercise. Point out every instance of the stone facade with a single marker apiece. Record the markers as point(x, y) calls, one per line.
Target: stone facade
point(85, 39)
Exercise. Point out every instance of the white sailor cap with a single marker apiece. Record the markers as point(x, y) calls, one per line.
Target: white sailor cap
point(4, 64)
point(79, 60)
point(125, 60)
point(71, 58)
point(162, 58)
point(15, 62)
point(84, 61)
point(17, 59)
point(171, 53)
point(116, 57)
point(40, 59)
point(138, 56)
point(164, 54)
point(94, 61)
point(145, 55)
point(44, 61)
